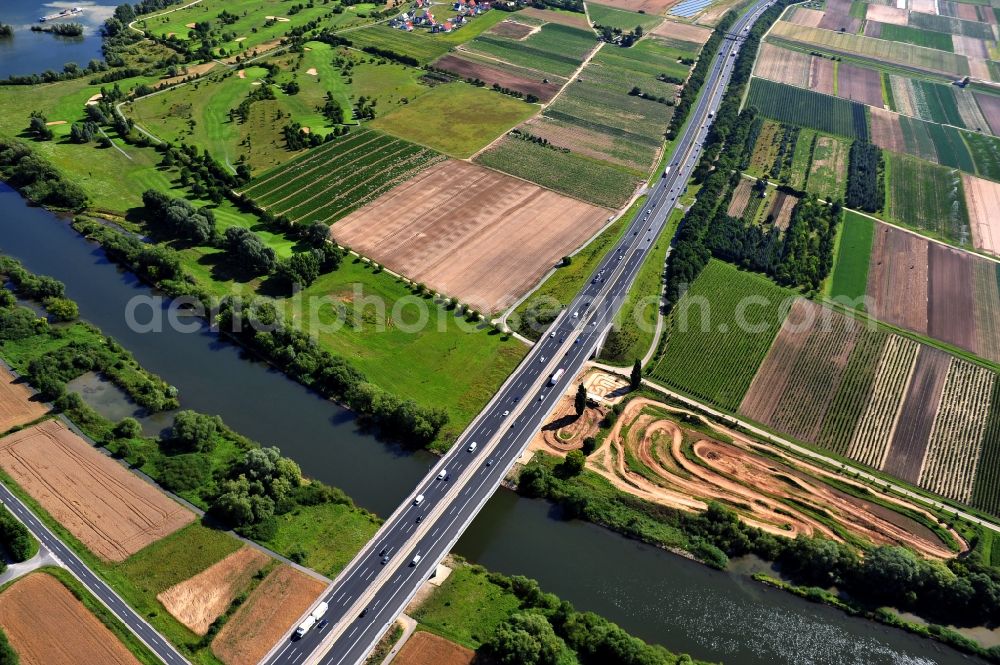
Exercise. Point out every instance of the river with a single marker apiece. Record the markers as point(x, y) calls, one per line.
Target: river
point(30, 52)
point(661, 597)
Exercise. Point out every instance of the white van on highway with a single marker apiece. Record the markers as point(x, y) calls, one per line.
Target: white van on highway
point(443, 474)
point(419, 500)
point(472, 447)
point(416, 560)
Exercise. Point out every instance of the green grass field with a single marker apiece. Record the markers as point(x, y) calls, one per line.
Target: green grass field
point(330, 534)
point(850, 267)
point(927, 197)
point(424, 48)
point(466, 367)
point(619, 18)
point(557, 49)
point(251, 26)
point(828, 167)
point(985, 151)
point(569, 173)
point(437, 118)
point(917, 37)
point(719, 333)
point(467, 608)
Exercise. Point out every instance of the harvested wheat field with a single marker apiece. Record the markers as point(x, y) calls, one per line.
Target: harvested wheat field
point(924, 6)
point(648, 453)
point(982, 198)
point(859, 84)
point(810, 18)
point(685, 32)
point(884, 14)
point(110, 510)
point(18, 404)
point(47, 625)
point(467, 68)
point(470, 232)
point(897, 278)
point(267, 614)
point(971, 46)
point(198, 601)
point(783, 66)
point(425, 648)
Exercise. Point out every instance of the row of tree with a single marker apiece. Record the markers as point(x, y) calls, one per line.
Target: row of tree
point(38, 180)
point(865, 185)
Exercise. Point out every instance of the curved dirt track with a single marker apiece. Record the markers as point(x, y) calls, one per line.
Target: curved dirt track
point(683, 468)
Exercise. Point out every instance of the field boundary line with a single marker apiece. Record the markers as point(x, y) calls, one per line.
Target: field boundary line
point(802, 451)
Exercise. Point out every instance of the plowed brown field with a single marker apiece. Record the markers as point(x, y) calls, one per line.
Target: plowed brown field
point(456, 64)
point(18, 404)
point(860, 84)
point(838, 17)
point(783, 65)
point(112, 511)
point(425, 648)
point(884, 14)
point(266, 615)
point(821, 75)
point(198, 601)
point(782, 209)
point(47, 625)
point(810, 18)
point(950, 296)
point(897, 278)
point(511, 29)
point(886, 132)
point(990, 106)
point(909, 443)
point(470, 232)
point(970, 46)
point(982, 198)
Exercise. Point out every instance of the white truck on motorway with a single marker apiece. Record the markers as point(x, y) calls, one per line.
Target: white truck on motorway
point(311, 620)
point(556, 376)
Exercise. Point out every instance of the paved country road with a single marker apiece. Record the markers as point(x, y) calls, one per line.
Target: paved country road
point(377, 585)
point(152, 639)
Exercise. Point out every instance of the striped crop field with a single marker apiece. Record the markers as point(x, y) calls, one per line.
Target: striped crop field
point(986, 488)
point(878, 50)
point(707, 354)
point(808, 109)
point(339, 177)
point(928, 197)
point(956, 437)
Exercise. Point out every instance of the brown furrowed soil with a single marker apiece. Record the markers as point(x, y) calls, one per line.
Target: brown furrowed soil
point(18, 403)
point(465, 68)
point(950, 296)
point(650, 455)
point(198, 601)
point(886, 132)
point(740, 198)
point(47, 625)
point(781, 211)
point(897, 278)
point(685, 32)
point(768, 386)
point(112, 511)
point(838, 17)
point(860, 84)
point(266, 615)
point(821, 75)
point(884, 14)
point(990, 106)
point(987, 310)
point(511, 29)
point(425, 648)
point(982, 198)
point(873, 29)
point(470, 232)
point(909, 443)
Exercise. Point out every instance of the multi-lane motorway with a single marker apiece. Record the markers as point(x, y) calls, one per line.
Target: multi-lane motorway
point(152, 639)
point(375, 588)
